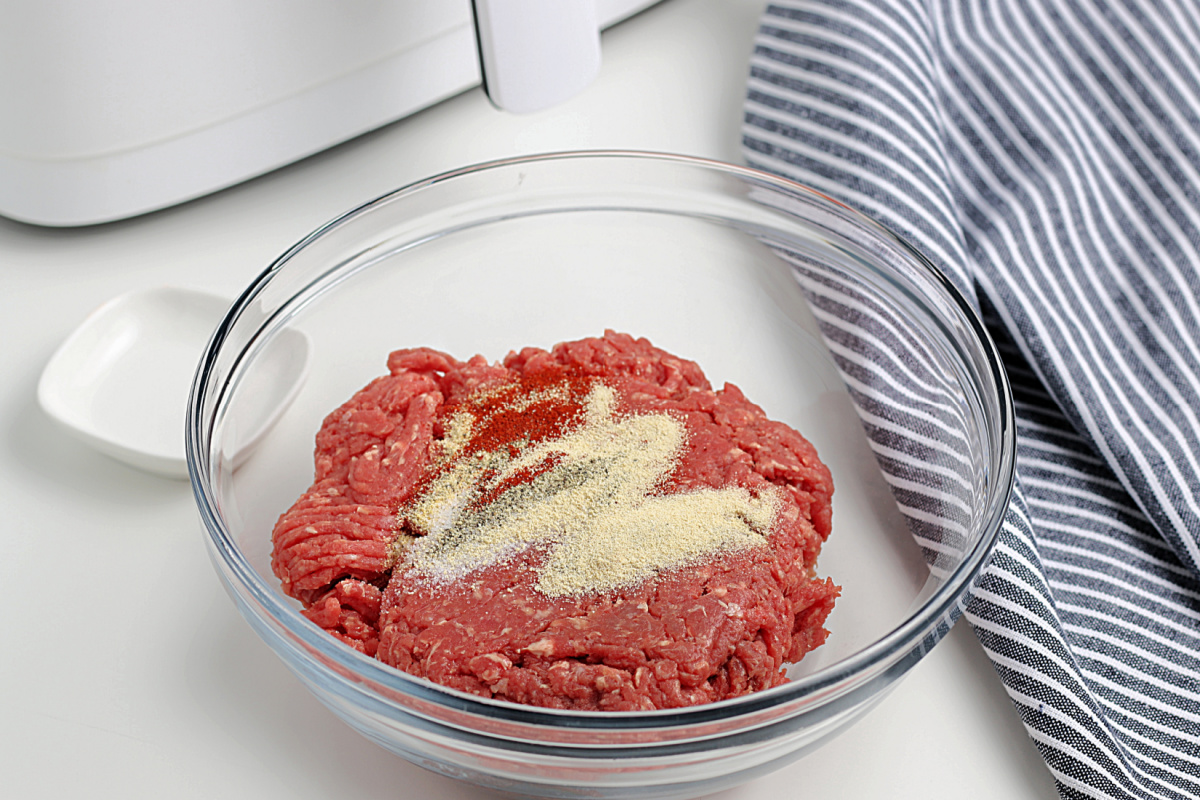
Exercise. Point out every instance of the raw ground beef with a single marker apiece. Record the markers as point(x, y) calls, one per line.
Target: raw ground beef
point(694, 634)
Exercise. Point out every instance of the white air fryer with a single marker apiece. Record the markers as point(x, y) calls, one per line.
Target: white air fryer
point(112, 108)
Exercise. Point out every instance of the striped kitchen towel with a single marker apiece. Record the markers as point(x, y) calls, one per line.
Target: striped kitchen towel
point(1045, 154)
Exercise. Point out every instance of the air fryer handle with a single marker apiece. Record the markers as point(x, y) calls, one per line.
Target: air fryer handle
point(535, 54)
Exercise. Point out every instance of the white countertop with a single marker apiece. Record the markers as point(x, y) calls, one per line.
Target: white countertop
point(125, 671)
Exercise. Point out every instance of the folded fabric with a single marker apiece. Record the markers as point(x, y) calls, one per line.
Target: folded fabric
point(1045, 155)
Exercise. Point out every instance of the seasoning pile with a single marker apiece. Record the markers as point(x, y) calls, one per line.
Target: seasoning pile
point(590, 527)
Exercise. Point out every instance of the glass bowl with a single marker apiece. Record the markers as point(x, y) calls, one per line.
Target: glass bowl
point(818, 314)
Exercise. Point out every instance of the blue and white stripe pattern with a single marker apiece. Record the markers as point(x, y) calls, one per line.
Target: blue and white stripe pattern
point(1045, 154)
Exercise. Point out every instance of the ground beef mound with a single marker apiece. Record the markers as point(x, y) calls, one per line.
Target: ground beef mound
point(695, 634)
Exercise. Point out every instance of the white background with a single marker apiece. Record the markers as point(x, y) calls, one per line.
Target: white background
point(125, 670)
